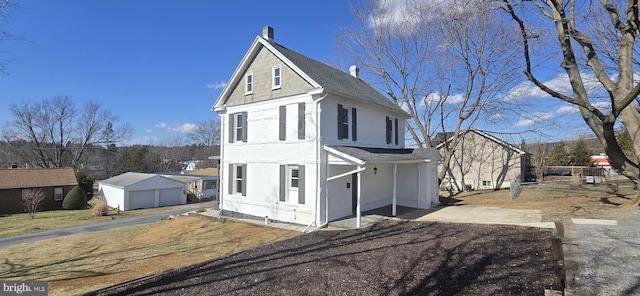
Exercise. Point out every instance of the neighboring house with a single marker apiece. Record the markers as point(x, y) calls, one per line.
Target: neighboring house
point(201, 184)
point(209, 188)
point(131, 191)
point(305, 143)
point(482, 161)
point(54, 183)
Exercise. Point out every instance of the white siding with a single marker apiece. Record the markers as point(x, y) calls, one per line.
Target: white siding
point(114, 196)
point(371, 125)
point(263, 153)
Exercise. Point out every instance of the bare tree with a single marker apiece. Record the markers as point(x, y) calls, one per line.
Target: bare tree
point(53, 133)
point(206, 133)
point(446, 63)
point(587, 50)
point(31, 199)
point(6, 10)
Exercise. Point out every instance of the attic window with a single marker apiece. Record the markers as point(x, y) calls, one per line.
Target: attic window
point(248, 84)
point(277, 77)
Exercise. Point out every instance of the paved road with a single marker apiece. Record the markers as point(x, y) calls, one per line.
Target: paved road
point(611, 254)
point(56, 233)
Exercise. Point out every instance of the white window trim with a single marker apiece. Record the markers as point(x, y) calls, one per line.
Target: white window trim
point(273, 77)
point(248, 91)
point(290, 178)
point(238, 121)
point(61, 193)
point(237, 190)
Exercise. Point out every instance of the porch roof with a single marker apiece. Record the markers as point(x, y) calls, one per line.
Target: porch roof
point(364, 155)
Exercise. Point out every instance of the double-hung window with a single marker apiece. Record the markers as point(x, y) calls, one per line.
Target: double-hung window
point(292, 182)
point(58, 194)
point(276, 74)
point(291, 122)
point(294, 177)
point(392, 130)
point(238, 127)
point(248, 85)
point(344, 122)
point(238, 179)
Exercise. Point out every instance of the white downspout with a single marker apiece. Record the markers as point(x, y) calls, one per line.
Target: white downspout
point(318, 171)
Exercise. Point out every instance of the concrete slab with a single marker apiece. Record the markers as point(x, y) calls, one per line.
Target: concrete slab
point(487, 215)
point(594, 222)
point(451, 214)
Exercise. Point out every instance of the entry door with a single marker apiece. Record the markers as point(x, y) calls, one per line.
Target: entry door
point(354, 193)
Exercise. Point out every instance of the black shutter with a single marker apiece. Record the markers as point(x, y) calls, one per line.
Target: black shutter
point(231, 128)
point(244, 180)
point(244, 127)
point(354, 124)
point(301, 184)
point(230, 176)
point(388, 130)
point(283, 182)
point(283, 123)
point(340, 130)
point(396, 135)
point(301, 121)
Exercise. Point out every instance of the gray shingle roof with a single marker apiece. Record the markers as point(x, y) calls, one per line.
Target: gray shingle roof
point(127, 179)
point(387, 155)
point(337, 81)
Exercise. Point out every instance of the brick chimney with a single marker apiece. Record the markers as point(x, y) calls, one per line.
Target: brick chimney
point(354, 70)
point(267, 33)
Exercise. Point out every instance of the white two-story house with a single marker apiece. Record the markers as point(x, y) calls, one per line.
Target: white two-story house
point(305, 143)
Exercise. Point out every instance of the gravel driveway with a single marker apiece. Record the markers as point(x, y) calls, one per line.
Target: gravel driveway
point(611, 254)
point(387, 258)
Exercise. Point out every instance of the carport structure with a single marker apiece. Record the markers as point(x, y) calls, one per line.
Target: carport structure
point(362, 179)
point(131, 191)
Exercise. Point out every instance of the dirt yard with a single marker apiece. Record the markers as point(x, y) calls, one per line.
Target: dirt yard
point(555, 201)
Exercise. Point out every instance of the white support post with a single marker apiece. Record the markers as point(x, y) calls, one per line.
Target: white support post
point(395, 194)
point(358, 214)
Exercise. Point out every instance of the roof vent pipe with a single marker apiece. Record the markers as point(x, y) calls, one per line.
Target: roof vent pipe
point(267, 33)
point(354, 71)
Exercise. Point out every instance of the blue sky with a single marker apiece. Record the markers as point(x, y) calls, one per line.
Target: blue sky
point(161, 64)
point(158, 64)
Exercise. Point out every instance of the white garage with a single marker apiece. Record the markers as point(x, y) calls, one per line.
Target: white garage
point(132, 191)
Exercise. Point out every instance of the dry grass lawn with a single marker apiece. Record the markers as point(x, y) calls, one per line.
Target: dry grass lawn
point(86, 262)
point(554, 201)
point(17, 224)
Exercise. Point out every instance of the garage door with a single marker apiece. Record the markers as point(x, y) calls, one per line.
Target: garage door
point(142, 199)
point(170, 196)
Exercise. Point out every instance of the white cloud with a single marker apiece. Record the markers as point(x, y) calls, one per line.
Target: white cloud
point(162, 125)
point(560, 83)
point(218, 85)
point(181, 128)
point(185, 128)
point(567, 109)
point(531, 119)
point(434, 97)
point(574, 109)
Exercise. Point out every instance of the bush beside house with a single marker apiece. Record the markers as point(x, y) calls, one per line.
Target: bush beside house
point(76, 199)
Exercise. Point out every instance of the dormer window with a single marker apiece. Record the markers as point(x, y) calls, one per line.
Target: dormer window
point(277, 77)
point(248, 84)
